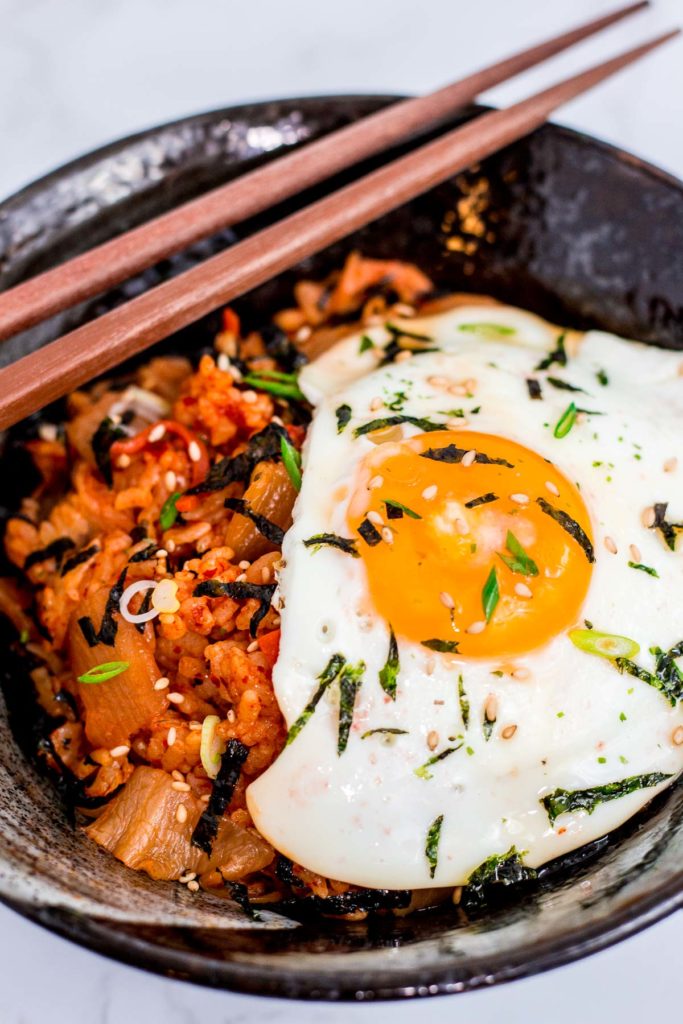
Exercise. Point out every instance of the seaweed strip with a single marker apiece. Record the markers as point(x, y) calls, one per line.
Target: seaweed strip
point(262, 447)
point(78, 559)
point(389, 673)
point(395, 421)
point(261, 592)
point(332, 540)
point(343, 414)
point(109, 625)
point(558, 355)
point(57, 549)
point(452, 454)
point(145, 606)
point(369, 534)
point(484, 499)
point(562, 801)
point(563, 385)
point(350, 682)
point(102, 440)
point(266, 527)
point(365, 900)
point(280, 347)
point(534, 388)
point(221, 794)
point(325, 679)
point(144, 554)
point(500, 870)
point(669, 531)
point(570, 526)
point(138, 533)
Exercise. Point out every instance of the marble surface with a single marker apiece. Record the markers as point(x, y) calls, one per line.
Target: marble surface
point(75, 74)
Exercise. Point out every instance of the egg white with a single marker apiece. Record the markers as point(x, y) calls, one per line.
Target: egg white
point(363, 817)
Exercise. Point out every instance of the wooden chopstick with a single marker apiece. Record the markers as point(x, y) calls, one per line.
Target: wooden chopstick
point(114, 261)
point(88, 351)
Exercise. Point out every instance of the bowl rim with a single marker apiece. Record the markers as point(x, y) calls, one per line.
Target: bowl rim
point(107, 939)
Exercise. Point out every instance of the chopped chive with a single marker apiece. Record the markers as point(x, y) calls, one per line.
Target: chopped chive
point(389, 674)
point(101, 673)
point(284, 385)
point(558, 355)
point(566, 421)
point(563, 385)
point(395, 510)
point(291, 460)
point(490, 595)
point(644, 568)
point(517, 561)
point(432, 844)
point(606, 645)
point(366, 343)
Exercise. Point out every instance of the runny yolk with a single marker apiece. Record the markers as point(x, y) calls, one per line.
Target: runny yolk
point(428, 573)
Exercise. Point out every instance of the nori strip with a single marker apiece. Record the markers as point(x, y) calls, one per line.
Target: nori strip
point(384, 731)
point(102, 440)
point(325, 679)
point(261, 592)
point(266, 527)
point(562, 801)
point(669, 531)
point(367, 900)
point(667, 677)
point(350, 682)
point(145, 605)
point(432, 844)
point(223, 788)
point(534, 388)
point(369, 534)
point(570, 526)
point(109, 625)
point(144, 554)
point(280, 347)
point(483, 499)
point(558, 355)
point(442, 646)
point(138, 533)
point(343, 414)
point(262, 447)
point(332, 540)
point(423, 771)
point(388, 675)
point(394, 421)
point(563, 385)
point(57, 549)
point(502, 869)
point(396, 510)
point(464, 703)
point(88, 630)
point(78, 559)
point(240, 895)
point(452, 454)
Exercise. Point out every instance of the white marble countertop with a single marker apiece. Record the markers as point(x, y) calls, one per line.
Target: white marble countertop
point(77, 73)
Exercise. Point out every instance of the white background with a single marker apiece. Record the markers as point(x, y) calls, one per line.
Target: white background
point(77, 73)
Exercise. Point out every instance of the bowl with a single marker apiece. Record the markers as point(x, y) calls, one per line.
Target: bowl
point(558, 223)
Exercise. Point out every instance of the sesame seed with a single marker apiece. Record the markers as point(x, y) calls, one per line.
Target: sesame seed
point(249, 397)
point(388, 535)
point(170, 546)
point(446, 600)
point(553, 488)
point(205, 797)
point(375, 517)
point(181, 787)
point(648, 517)
point(170, 479)
point(457, 389)
point(304, 333)
point(376, 482)
point(610, 544)
point(468, 458)
point(193, 886)
point(670, 465)
point(491, 708)
point(156, 433)
point(241, 578)
point(403, 309)
point(477, 627)
point(178, 776)
point(244, 564)
point(520, 499)
point(433, 739)
point(634, 552)
point(403, 356)
point(265, 574)
point(677, 736)
point(161, 553)
point(48, 431)
point(171, 736)
point(456, 422)
point(253, 646)
point(521, 674)
point(430, 492)
point(123, 461)
point(194, 451)
point(162, 684)
point(223, 363)
point(439, 703)
point(439, 382)
point(189, 876)
point(181, 814)
point(470, 385)
point(119, 751)
point(462, 527)
point(376, 404)
point(521, 590)
point(175, 698)
point(195, 726)
point(508, 732)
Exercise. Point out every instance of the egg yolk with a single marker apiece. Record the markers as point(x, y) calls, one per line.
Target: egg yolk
point(478, 551)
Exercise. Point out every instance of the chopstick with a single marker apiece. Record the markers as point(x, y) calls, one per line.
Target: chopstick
point(88, 351)
point(115, 261)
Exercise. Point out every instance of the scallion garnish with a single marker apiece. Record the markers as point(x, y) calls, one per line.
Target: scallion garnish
point(291, 460)
point(606, 645)
point(566, 421)
point(423, 771)
point(644, 568)
point(284, 385)
point(101, 673)
point(396, 510)
point(490, 594)
point(366, 343)
point(488, 330)
point(169, 513)
point(518, 561)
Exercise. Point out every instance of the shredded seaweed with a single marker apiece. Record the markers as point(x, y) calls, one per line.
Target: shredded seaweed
point(394, 421)
point(350, 681)
point(501, 869)
point(361, 900)
point(563, 801)
point(279, 346)
point(325, 680)
point(332, 540)
point(369, 533)
point(389, 674)
point(57, 549)
point(145, 606)
point(104, 437)
point(106, 634)
point(240, 591)
point(384, 731)
point(240, 895)
point(563, 385)
point(534, 388)
point(570, 526)
point(78, 559)
point(396, 510)
point(262, 447)
point(464, 703)
point(667, 676)
point(266, 527)
point(233, 758)
point(144, 554)
point(483, 499)
point(669, 531)
point(452, 454)
point(343, 414)
point(442, 646)
point(557, 356)
point(423, 771)
point(432, 844)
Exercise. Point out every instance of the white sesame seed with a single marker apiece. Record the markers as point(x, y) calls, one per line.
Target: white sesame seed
point(253, 646)
point(520, 499)
point(171, 736)
point(195, 726)
point(194, 451)
point(468, 458)
point(170, 546)
point(388, 535)
point(375, 517)
point(48, 431)
point(670, 465)
point(243, 565)
point(610, 544)
point(430, 492)
point(457, 389)
point(456, 422)
point(265, 574)
point(178, 776)
point(491, 708)
point(170, 480)
point(677, 736)
point(376, 404)
point(477, 627)
point(508, 732)
point(446, 599)
point(521, 674)
point(249, 397)
point(223, 363)
point(553, 488)
point(522, 590)
point(433, 739)
point(161, 553)
point(193, 886)
point(241, 578)
point(304, 333)
point(403, 356)
point(439, 382)
point(634, 552)
point(181, 814)
point(205, 797)
point(162, 683)
point(648, 517)
point(462, 527)
point(175, 698)
point(123, 461)
point(403, 309)
point(181, 787)
point(156, 433)
point(189, 876)
point(115, 418)
point(376, 482)
point(120, 751)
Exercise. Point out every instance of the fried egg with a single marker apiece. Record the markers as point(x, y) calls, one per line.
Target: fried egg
point(481, 565)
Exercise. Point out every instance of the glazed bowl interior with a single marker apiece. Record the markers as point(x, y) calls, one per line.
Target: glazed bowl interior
point(559, 224)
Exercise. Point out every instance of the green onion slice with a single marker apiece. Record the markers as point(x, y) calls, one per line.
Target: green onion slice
point(291, 460)
point(488, 330)
point(211, 747)
point(566, 421)
point(169, 513)
point(101, 673)
point(284, 385)
point(490, 595)
point(606, 645)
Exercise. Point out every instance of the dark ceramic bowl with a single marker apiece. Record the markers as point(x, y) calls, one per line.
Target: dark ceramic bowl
point(562, 225)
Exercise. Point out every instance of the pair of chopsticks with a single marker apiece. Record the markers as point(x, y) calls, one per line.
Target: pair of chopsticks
point(84, 353)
